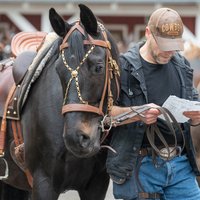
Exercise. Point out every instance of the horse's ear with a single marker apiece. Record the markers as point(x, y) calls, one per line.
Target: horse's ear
point(88, 20)
point(58, 23)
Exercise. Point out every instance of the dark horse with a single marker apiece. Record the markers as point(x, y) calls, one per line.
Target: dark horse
point(61, 117)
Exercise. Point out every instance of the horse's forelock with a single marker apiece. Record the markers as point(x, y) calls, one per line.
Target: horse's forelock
point(76, 46)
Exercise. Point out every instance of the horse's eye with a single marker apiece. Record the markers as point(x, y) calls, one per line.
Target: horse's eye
point(99, 68)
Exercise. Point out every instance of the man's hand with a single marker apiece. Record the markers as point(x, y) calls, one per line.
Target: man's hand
point(194, 117)
point(151, 115)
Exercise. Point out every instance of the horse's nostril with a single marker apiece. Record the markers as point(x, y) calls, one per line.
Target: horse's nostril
point(84, 140)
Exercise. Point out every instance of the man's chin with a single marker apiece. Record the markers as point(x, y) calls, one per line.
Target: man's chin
point(163, 61)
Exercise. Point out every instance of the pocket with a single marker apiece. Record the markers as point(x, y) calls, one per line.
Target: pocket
point(134, 95)
point(127, 190)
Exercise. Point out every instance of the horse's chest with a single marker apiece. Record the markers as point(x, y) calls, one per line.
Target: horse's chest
point(75, 173)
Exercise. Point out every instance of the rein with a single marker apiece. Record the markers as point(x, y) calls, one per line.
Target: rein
point(153, 130)
point(108, 122)
point(112, 71)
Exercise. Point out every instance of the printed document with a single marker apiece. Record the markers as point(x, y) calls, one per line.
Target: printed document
point(177, 106)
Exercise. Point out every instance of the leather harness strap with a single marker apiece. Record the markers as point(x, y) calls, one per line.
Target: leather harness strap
point(4, 122)
point(16, 128)
point(17, 133)
point(18, 138)
point(89, 42)
point(81, 107)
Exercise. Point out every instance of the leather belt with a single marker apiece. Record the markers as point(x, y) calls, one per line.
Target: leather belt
point(165, 153)
point(145, 195)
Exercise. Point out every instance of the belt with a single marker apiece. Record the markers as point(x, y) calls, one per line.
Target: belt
point(144, 195)
point(164, 153)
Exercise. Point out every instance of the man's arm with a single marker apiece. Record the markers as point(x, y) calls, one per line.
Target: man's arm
point(149, 116)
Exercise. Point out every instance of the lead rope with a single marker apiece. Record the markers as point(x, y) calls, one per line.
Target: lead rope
point(153, 130)
point(109, 122)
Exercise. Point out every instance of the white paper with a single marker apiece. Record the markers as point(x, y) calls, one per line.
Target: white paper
point(177, 106)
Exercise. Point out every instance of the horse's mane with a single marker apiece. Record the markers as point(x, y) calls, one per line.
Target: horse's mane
point(114, 49)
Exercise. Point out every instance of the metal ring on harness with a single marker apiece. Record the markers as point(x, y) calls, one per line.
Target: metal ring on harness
point(6, 170)
point(105, 123)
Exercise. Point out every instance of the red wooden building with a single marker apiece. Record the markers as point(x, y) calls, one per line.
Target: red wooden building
point(125, 18)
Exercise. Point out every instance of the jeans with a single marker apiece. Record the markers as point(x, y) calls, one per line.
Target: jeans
point(173, 179)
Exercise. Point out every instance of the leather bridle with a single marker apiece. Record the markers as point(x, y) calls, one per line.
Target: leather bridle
point(112, 71)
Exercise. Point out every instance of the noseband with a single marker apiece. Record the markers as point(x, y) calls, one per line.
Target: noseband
point(112, 71)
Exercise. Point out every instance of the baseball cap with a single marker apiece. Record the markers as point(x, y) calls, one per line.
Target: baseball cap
point(167, 29)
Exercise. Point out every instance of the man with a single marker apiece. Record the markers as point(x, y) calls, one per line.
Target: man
point(151, 72)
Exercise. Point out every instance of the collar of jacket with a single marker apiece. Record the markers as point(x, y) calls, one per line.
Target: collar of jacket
point(133, 65)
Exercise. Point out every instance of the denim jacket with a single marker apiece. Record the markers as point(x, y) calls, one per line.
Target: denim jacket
point(127, 139)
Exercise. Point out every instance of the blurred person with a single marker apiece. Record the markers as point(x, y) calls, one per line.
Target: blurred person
point(5, 41)
point(192, 53)
point(122, 46)
point(1, 51)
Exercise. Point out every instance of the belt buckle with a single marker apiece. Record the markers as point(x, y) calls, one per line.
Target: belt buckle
point(168, 153)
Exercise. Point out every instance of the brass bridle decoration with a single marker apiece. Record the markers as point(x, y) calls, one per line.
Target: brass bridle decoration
point(112, 71)
point(74, 75)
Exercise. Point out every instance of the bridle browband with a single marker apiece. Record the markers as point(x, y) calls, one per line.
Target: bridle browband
point(112, 71)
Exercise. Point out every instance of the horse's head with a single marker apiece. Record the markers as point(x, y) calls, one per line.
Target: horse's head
point(88, 70)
